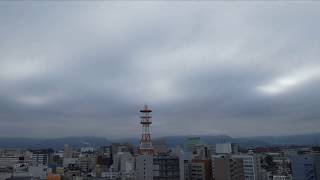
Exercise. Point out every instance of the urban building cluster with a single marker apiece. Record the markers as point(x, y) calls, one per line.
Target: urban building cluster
point(154, 160)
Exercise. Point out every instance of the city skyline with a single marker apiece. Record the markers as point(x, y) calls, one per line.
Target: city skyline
point(85, 69)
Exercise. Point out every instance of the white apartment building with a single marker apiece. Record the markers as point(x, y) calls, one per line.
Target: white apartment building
point(251, 165)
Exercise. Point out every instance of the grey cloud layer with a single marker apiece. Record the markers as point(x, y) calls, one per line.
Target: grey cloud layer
point(80, 68)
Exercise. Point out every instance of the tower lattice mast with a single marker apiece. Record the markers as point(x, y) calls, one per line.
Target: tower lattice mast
point(145, 142)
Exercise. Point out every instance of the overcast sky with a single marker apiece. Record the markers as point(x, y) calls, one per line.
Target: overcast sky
point(86, 68)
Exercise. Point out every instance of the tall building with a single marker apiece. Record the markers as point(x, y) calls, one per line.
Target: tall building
point(157, 167)
point(201, 152)
point(225, 167)
point(68, 156)
point(166, 167)
point(182, 157)
point(124, 165)
point(87, 162)
point(67, 151)
point(121, 147)
point(198, 169)
point(305, 167)
point(144, 167)
point(10, 157)
point(192, 142)
point(197, 159)
point(251, 165)
point(41, 156)
point(227, 148)
point(104, 156)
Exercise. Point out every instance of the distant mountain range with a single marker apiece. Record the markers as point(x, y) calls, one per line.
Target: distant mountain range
point(77, 142)
point(54, 143)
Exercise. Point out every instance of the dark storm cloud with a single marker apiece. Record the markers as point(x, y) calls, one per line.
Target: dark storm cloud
point(79, 68)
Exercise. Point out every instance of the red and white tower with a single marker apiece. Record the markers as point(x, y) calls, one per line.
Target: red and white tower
point(145, 142)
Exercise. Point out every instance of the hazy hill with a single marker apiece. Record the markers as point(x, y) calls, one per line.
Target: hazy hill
point(55, 143)
point(77, 142)
point(307, 139)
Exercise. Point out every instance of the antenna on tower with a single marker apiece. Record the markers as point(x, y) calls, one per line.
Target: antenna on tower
point(145, 142)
